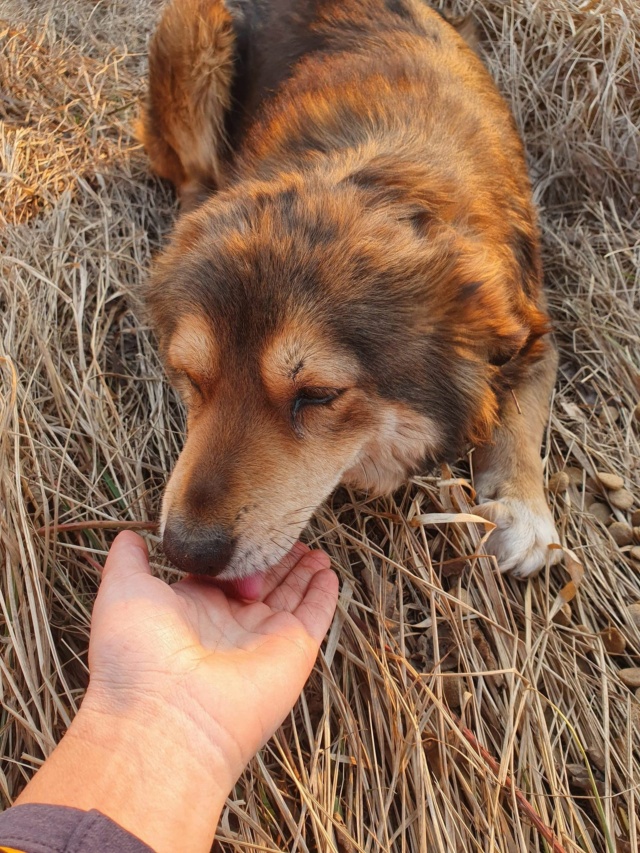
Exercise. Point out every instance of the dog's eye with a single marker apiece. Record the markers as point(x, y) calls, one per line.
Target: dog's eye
point(184, 380)
point(314, 397)
point(193, 384)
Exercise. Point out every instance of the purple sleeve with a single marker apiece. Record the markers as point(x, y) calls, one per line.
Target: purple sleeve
point(35, 828)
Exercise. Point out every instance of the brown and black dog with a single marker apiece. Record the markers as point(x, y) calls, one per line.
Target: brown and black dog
point(354, 287)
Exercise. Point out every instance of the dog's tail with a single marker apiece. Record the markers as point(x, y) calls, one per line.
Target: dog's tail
point(191, 59)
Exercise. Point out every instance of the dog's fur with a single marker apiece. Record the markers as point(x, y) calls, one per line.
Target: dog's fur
point(354, 287)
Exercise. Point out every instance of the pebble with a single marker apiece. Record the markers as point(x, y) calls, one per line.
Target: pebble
point(610, 481)
point(634, 612)
point(613, 641)
point(635, 553)
point(575, 475)
point(630, 676)
point(559, 482)
point(600, 511)
point(621, 499)
point(609, 414)
point(621, 533)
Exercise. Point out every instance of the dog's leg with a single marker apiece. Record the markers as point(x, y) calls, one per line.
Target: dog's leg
point(509, 477)
point(191, 58)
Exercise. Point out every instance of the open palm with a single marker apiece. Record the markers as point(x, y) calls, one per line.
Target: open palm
point(231, 670)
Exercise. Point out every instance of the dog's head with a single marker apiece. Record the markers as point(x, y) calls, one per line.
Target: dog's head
point(316, 338)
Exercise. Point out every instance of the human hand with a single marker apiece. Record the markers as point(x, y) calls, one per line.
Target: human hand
point(186, 685)
point(230, 671)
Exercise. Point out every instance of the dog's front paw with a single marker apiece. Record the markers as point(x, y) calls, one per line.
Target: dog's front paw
point(523, 533)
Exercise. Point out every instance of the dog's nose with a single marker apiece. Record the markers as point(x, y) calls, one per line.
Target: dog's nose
point(203, 552)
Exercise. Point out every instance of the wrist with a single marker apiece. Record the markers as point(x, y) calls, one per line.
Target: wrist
point(147, 767)
point(175, 725)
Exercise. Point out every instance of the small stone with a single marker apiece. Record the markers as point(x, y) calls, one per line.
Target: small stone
point(634, 553)
point(610, 481)
point(621, 533)
point(575, 475)
point(630, 676)
point(609, 414)
point(613, 641)
point(600, 511)
point(634, 612)
point(635, 518)
point(559, 482)
point(621, 499)
point(636, 533)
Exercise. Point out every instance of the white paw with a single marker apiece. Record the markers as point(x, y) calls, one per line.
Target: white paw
point(523, 533)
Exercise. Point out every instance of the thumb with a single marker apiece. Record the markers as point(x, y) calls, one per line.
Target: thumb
point(128, 557)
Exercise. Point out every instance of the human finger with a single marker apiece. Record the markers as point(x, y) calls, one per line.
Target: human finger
point(276, 574)
point(290, 592)
point(127, 558)
point(318, 604)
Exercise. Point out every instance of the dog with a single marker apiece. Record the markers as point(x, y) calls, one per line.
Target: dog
point(353, 289)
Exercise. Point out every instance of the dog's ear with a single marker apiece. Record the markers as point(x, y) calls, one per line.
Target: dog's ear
point(498, 301)
point(402, 187)
point(494, 286)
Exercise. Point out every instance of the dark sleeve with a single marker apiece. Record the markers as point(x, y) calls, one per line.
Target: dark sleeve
point(34, 828)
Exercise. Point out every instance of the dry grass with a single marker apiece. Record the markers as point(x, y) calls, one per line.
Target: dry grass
point(428, 641)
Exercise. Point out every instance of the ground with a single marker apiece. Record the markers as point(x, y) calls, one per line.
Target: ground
point(452, 709)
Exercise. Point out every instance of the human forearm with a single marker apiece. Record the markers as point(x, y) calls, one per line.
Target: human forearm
point(150, 771)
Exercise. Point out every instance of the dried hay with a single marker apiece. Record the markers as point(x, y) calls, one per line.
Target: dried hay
point(453, 709)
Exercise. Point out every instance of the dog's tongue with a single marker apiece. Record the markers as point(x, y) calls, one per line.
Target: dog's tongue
point(247, 588)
